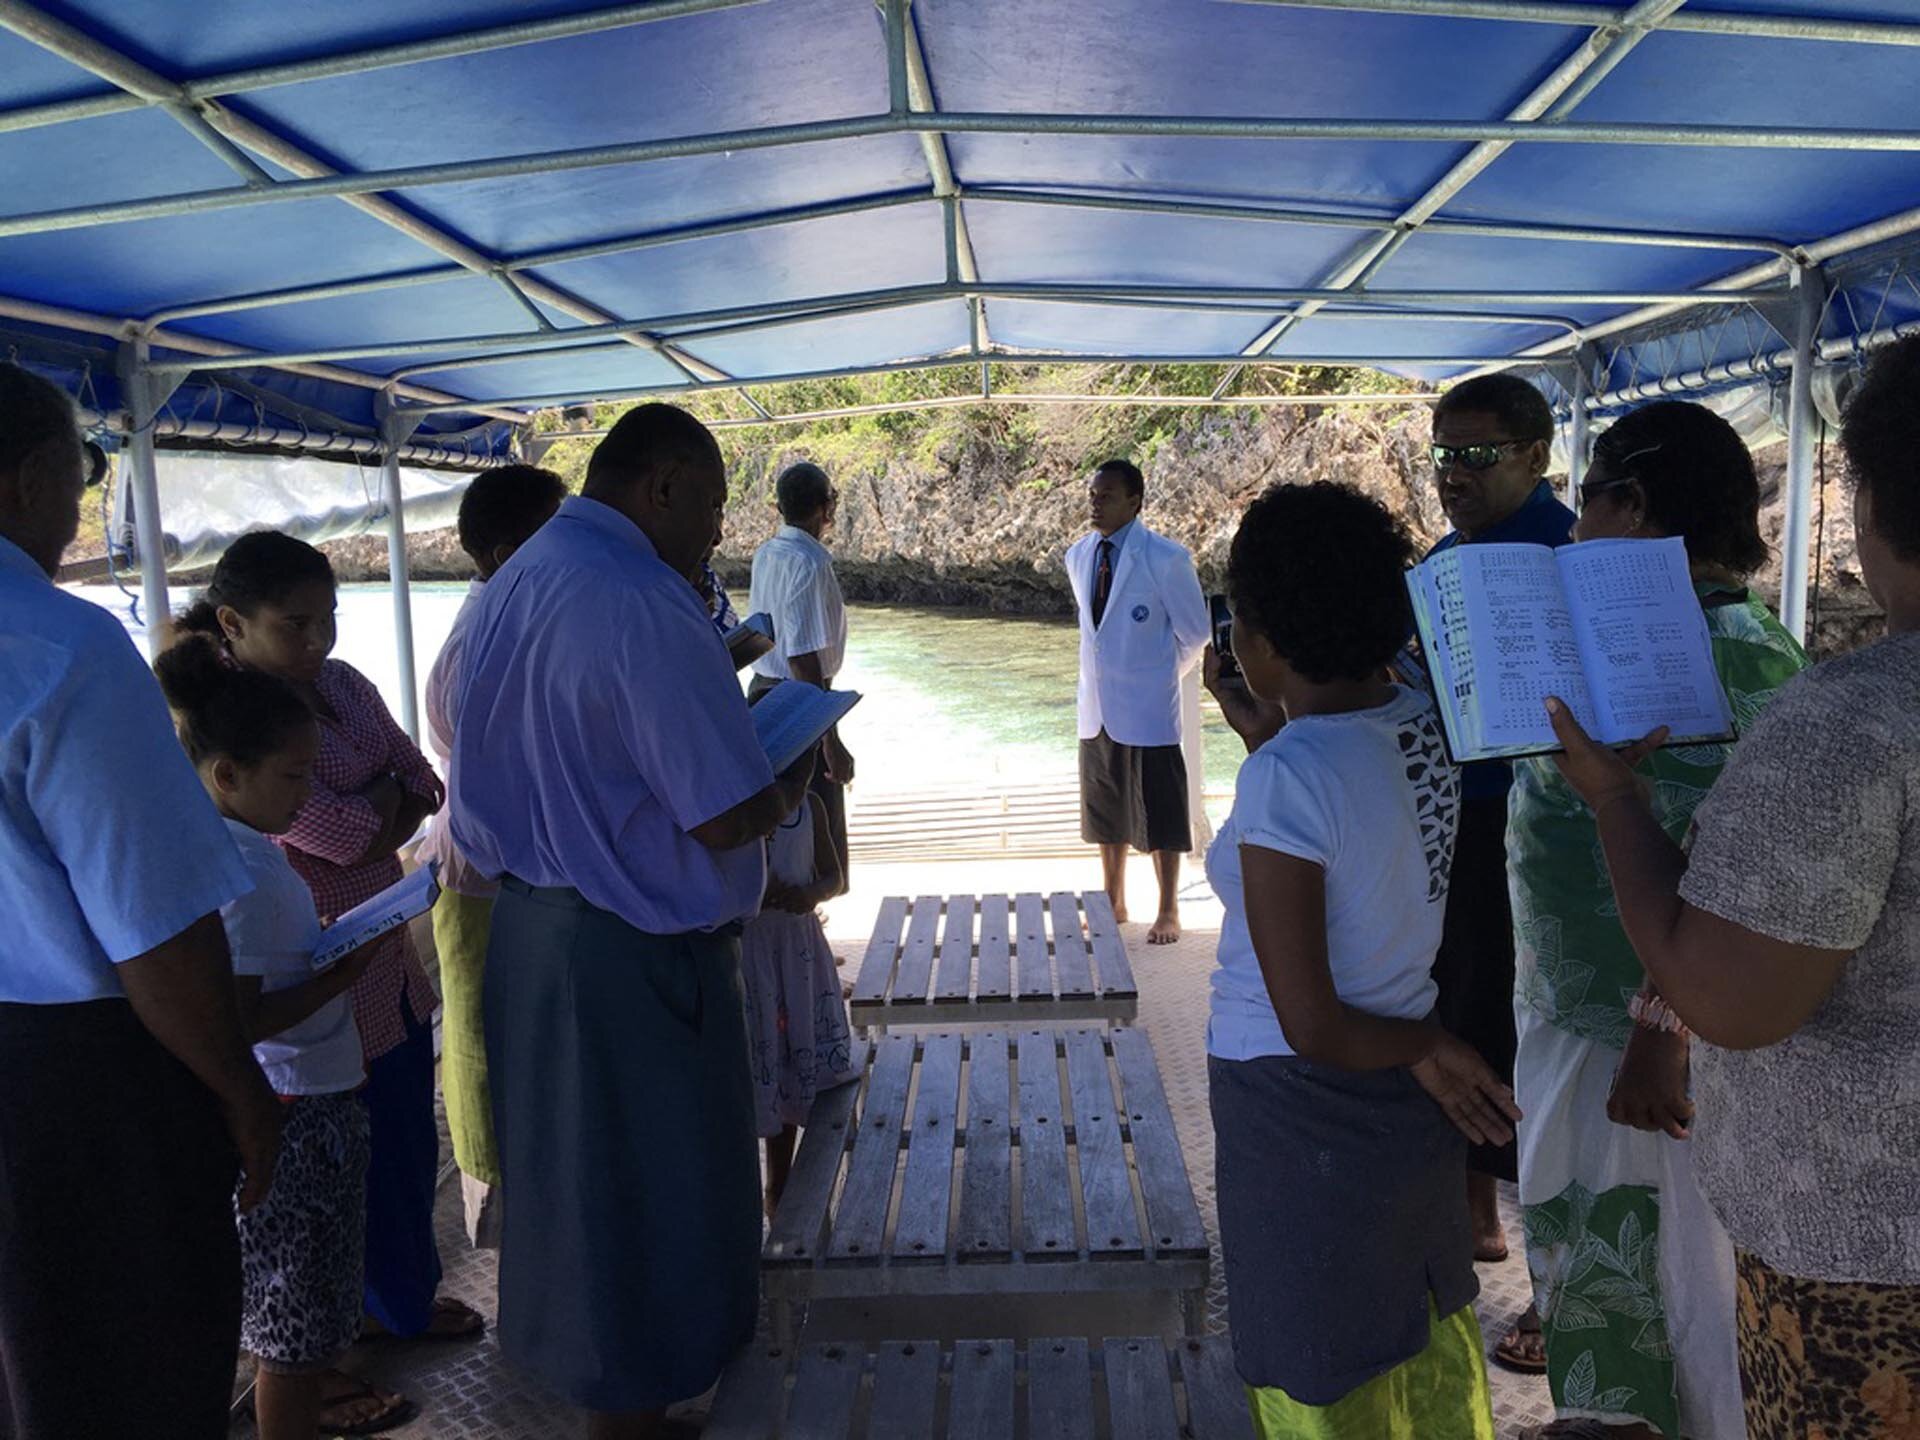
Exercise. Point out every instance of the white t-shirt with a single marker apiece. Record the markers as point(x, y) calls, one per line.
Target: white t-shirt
point(1371, 797)
point(272, 933)
point(793, 581)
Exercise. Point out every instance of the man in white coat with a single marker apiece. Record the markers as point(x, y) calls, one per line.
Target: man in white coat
point(1143, 625)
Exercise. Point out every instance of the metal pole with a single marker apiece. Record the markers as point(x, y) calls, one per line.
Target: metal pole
point(1776, 27)
point(143, 475)
point(402, 591)
point(1803, 439)
point(1577, 429)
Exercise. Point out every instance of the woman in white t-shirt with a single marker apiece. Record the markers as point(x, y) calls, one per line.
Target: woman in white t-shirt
point(253, 740)
point(1341, 1111)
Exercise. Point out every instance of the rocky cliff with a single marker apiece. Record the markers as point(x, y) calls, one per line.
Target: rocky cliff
point(971, 515)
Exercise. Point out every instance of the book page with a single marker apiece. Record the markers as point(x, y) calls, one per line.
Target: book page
point(794, 715)
point(749, 640)
point(1504, 634)
point(1644, 641)
point(1446, 643)
point(393, 907)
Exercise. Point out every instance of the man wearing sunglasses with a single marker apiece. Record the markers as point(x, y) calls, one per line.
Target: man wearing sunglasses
point(1492, 437)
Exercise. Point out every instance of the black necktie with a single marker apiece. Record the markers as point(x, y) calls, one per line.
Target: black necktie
point(1102, 581)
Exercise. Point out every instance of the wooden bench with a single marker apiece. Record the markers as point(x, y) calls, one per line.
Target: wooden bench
point(1119, 1389)
point(1098, 1200)
point(993, 961)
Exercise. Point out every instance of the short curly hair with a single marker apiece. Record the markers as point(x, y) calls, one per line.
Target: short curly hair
point(1518, 406)
point(1881, 436)
point(505, 506)
point(1697, 475)
point(1320, 570)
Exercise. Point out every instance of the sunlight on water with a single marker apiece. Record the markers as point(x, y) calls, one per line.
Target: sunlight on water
point(951, 697)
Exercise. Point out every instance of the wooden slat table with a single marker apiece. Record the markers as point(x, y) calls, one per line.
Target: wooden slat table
point(860, 1220)
point(995, 960)
point(1065, 1389)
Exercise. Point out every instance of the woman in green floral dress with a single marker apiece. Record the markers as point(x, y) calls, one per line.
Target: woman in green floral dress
point(1632, 1274)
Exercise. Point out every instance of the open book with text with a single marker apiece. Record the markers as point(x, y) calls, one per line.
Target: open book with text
point(1612, 627)
point(794, 715)
point(374, 917)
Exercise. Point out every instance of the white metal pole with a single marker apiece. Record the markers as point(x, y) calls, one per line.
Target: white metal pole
point(143, 475)
point(1803, 438)
point(402, 593)
point(1577, 430)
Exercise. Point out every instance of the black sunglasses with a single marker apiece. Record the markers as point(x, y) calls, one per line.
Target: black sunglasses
point(1471, 458)
point(1618, 476)
point(96, 463)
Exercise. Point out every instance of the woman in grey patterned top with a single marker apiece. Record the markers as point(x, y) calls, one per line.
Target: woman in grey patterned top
point(1789, 941)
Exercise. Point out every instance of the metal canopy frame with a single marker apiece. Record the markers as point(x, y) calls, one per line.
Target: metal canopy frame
point(1788, 277)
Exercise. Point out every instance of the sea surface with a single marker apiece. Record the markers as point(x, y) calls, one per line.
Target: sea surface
point(950, 697)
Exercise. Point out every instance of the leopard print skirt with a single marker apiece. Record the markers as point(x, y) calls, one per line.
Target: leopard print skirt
point(302, 1249)
point(1828, 1361)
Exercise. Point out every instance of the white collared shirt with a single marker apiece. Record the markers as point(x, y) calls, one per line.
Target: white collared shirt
point(443, 689)
point(793, 582)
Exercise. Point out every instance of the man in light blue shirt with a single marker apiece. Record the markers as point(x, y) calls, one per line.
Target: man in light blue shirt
point(125, 1082)
point(605, 768)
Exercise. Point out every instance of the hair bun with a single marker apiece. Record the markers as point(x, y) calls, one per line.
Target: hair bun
point(193, 672)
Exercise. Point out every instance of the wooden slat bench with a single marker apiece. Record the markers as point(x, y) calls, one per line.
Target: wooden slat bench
point(1064, 1389)
point(1099, 1200)
point(995, 960)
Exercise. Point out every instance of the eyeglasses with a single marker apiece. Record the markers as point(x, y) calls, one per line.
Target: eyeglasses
point(1591, 488)
point(1617, 475)
point(1471, 458)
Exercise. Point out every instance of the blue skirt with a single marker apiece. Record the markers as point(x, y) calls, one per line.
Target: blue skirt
point(1343, 1221)
point(630, 1252)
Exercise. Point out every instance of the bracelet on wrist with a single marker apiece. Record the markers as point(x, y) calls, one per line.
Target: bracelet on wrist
point(1651, 1012)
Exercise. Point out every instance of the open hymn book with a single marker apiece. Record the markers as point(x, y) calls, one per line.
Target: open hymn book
point(1610, 626)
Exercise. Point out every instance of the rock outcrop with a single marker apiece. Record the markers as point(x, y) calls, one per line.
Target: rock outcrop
point(970, 522)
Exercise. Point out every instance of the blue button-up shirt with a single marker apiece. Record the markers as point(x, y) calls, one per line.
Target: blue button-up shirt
point(108, 844)
point(598, 721)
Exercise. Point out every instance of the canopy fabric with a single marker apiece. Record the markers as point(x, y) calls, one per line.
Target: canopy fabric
point(1466, 182)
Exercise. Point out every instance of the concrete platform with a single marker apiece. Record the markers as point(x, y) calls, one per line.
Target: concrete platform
point(468, 1392)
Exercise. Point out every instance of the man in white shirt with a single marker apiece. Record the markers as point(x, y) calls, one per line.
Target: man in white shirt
point(1143, 626)
point(500, 511)
point(127, 1088)
point(794, 584)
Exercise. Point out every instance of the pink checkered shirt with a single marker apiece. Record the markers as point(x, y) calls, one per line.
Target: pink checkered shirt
point(356, 748)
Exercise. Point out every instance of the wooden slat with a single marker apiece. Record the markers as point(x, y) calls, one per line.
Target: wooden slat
point(1173, 1221)
point(1105, 1186)
point(799, 1227)
point(992, 982)
point(986, 1174)
point(1046, 1204)
point(1035, 980)
point(920, 1232)
point(1216, 1397)
point(1070, 948)
point(1109, 949)
point(1059, 1390)
point(1139, 1389)
point(906, 1390)
point(860, 1220)
point(915, 971)
point(751, 1398)
point(876, 970)
point(824, 1389)
point(953, 984)
point(982, 1403)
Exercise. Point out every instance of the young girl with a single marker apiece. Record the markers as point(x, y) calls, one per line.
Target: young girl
point(253, 740)
point(270, 607)
point(798, 1042)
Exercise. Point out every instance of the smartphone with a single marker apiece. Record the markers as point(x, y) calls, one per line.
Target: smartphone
point(1223, 636)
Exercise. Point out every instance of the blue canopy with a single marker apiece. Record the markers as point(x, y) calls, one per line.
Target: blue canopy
point(302, 217)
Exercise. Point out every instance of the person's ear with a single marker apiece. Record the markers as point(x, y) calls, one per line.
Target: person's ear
point(501, 554)
point(225, 774)
point(233, 624)
point(1539, 456)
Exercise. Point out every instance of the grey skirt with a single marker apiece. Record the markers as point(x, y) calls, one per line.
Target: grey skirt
point(1343, 1208)
point(630, 1252)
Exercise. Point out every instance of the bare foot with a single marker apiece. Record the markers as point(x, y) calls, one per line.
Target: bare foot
point(1165, 930)
point(1120, 912)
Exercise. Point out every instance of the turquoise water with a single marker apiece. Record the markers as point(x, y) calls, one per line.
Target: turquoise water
point(951, 697)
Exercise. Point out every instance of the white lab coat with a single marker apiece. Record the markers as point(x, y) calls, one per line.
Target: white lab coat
point(1152, 633)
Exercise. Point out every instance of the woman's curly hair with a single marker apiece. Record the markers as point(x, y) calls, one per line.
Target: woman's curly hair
point(1320, 570)
point(1881, 435)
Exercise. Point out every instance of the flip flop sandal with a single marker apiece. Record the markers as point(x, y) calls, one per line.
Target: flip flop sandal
point(396, 1414)
point(1509, 1354)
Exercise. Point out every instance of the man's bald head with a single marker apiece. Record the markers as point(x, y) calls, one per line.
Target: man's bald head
point(43, 469)
point(662, 469)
